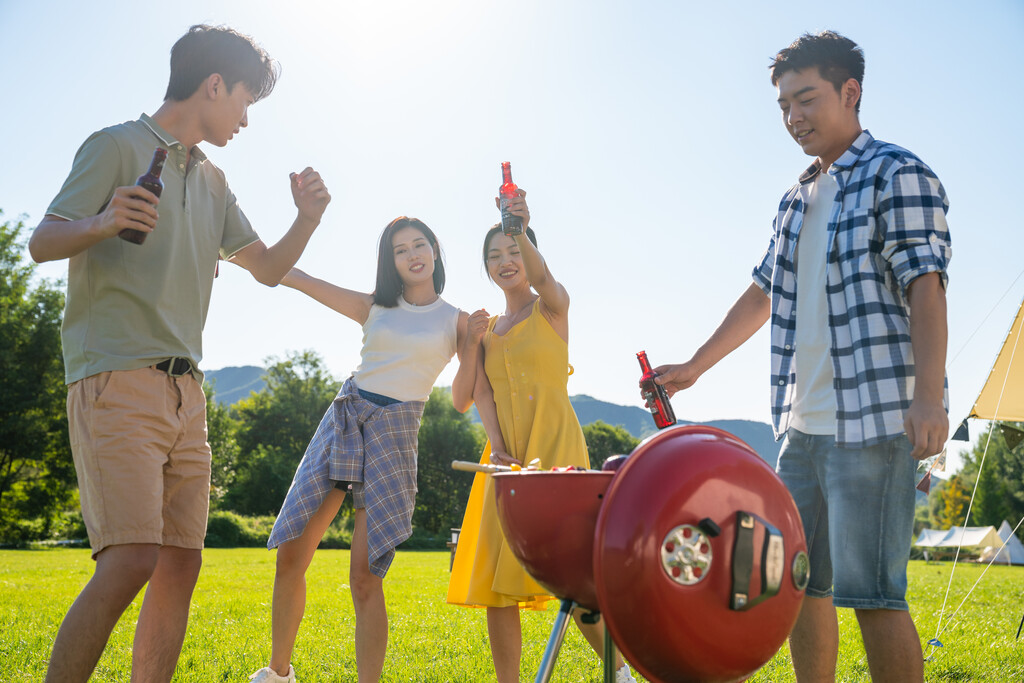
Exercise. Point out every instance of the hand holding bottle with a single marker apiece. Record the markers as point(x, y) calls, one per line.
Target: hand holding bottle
point(153, 186)
point(130, 208)
point(512, 223)
point(655, 395)
point(515, 206)
point(677, 377)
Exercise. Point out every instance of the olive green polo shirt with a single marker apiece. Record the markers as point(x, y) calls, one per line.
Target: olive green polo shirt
point(131, 305)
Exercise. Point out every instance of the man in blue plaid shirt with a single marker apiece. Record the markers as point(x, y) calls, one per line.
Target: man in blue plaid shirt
point(853, 282)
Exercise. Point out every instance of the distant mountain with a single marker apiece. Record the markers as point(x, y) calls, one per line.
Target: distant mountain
point(636, 421)
point(231, 385)
point(639, 423)
point(235, 383)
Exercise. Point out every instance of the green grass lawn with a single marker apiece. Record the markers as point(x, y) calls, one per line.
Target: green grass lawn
point(229, 630)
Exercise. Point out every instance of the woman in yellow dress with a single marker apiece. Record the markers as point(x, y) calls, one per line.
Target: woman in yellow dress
point(520, 391)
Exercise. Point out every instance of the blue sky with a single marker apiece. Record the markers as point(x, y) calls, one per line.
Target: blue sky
point(647, 135)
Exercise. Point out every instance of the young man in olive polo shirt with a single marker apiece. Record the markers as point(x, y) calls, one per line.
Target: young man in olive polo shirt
point(132, 340)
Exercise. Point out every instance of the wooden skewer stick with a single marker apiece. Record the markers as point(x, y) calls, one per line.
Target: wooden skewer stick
point(466, 466)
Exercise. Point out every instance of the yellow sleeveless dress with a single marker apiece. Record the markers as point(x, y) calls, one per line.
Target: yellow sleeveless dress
point(528, 368)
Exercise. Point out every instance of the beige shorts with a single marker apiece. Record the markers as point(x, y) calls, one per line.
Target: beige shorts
point(138, 438)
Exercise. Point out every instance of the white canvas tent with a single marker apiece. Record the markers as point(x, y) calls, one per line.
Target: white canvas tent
point(965, 537)
point(931, 538)
point(1011, 553)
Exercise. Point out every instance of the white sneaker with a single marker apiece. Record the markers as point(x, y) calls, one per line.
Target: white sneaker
point(623, 675)
point(268, 675)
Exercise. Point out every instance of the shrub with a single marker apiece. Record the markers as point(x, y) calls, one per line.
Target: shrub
point(65, 526)
point(230, 530)
point(339, 533)
point(227, 529)
point(423, 540)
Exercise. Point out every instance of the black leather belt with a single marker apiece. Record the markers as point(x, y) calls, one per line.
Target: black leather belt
point(175, 367)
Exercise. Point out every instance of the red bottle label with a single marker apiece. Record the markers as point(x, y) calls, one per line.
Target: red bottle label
point(510, 224)
point(655, 395)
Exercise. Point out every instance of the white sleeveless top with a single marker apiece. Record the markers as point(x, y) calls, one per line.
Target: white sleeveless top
point(406, 347)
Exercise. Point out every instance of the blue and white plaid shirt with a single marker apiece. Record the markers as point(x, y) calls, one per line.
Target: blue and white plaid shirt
point(886, 228)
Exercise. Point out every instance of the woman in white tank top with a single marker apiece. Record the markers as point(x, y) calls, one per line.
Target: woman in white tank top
point(367, 440)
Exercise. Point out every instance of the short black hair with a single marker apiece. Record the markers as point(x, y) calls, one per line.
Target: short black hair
point(837, 58)
point(389, 282)
point(495, 229)
point(206, 50)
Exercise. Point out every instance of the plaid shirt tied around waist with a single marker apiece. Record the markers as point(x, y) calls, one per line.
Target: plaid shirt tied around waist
point(375, 448)
point(887, 227)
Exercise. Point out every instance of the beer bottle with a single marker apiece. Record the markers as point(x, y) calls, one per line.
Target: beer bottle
point(510, 224)
point(655, 395)
point(151, 181)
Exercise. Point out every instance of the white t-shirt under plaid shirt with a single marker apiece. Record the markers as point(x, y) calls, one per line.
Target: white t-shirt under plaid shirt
point(886, 228)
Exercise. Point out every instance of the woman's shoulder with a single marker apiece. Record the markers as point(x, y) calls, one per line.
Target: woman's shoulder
point(449, 307)
point(449, 313)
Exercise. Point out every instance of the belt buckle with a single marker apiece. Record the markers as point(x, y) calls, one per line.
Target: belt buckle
point(172, 366)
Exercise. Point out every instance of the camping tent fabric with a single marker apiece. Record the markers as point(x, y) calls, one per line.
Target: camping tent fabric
point(1002, 397)
point(931, 538)
point(959, 536)
point(1011, 553)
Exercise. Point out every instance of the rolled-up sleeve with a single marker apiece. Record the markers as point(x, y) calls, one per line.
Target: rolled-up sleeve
point(762, 273)
point(913, 208)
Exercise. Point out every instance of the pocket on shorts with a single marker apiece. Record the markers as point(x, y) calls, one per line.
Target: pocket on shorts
point(98, 385)
point(132, 391)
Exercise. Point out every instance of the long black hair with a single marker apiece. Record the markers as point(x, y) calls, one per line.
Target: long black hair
point(389, 282)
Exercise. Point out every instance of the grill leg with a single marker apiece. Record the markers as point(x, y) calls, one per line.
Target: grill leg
point(609, 656)
point(547, 664)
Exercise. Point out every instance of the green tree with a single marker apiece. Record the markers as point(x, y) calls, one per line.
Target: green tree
point(922, 518)
point(1000, 491)
point(445, 435)
point(935, 503)
point(221, 427)
point(955, 496)
point(36, 470)
point(273, 429)
point(604, 441)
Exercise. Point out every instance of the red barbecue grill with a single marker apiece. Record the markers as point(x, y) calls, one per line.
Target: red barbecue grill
point(693, 552)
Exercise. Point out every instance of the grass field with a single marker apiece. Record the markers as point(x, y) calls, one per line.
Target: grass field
point(229, 630)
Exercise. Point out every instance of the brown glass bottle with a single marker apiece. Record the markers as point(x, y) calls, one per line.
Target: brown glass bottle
point(151, 181)
point(510, 224)
point(655, 395)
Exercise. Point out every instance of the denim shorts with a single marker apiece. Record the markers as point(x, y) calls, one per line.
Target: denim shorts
point(857, 507)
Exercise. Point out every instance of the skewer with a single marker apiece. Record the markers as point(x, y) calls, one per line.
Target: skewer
point(466, 466)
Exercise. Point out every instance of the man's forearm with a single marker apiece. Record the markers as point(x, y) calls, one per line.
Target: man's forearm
point(55, 238)
point(928, 336)
point(746, 316)
point(278, 259)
